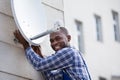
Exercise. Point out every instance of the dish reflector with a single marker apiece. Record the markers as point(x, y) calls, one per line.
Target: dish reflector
point(30, 19)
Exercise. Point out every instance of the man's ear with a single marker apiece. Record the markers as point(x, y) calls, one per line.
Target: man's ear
point(69, 38)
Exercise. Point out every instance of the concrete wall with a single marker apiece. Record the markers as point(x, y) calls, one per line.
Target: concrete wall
point(13, 63)
point(102, 57)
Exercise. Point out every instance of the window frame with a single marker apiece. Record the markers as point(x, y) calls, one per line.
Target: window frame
point(80, 37)
point(99, 31)
point(116, 26)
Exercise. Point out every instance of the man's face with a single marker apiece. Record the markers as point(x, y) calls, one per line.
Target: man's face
point(59, 40)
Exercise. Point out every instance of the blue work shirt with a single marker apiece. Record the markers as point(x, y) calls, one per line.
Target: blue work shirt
point(68, 59)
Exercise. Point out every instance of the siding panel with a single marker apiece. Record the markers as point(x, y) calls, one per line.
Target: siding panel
point(5, 7)
point(13, 60)
point(13, 63)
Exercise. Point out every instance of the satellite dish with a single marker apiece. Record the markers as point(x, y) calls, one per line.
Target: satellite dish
point(31, 20)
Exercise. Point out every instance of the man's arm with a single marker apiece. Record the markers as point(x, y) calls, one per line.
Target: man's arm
point(37, 49)
point(21, 40)
point(61, 59)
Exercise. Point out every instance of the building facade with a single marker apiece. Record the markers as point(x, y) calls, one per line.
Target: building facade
point(95, 29)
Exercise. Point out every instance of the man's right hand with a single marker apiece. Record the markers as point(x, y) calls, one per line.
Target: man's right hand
point(21, 39)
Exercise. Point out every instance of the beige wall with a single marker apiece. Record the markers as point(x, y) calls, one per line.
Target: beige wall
point(13, 63)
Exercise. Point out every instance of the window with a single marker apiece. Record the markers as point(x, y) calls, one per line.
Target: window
point(102, 78)
point(115, 77)
point(98, 28)
point(116, 26)
point(80, 36)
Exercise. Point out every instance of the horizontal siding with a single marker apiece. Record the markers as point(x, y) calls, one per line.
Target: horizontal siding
point(5, 7)
point(13, 60)
point(13, 63)
point(7, 27)
point(9, 76)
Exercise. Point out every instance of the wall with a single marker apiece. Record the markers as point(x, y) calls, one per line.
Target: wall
point(13, 63)
point(102, 57)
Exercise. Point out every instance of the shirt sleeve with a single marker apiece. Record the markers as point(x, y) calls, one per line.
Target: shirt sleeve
point(62, 59)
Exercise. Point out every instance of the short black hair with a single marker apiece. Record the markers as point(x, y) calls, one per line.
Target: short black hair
point(64, 30)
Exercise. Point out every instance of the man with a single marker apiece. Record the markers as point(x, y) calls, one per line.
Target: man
point(66, 60)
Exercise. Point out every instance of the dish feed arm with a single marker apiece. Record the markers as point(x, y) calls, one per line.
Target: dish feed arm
point(45, 33)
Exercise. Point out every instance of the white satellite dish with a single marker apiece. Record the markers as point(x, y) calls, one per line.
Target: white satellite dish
point(31, 20)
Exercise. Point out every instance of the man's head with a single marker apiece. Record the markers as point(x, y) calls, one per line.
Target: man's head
point(60, 39)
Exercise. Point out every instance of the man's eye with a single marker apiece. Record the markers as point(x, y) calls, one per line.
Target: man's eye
point(51, 41)
point(55, 39)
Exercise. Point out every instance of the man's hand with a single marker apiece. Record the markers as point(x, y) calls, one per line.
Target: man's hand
point(37, 49)
point(25, 44)
point(21, 39)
